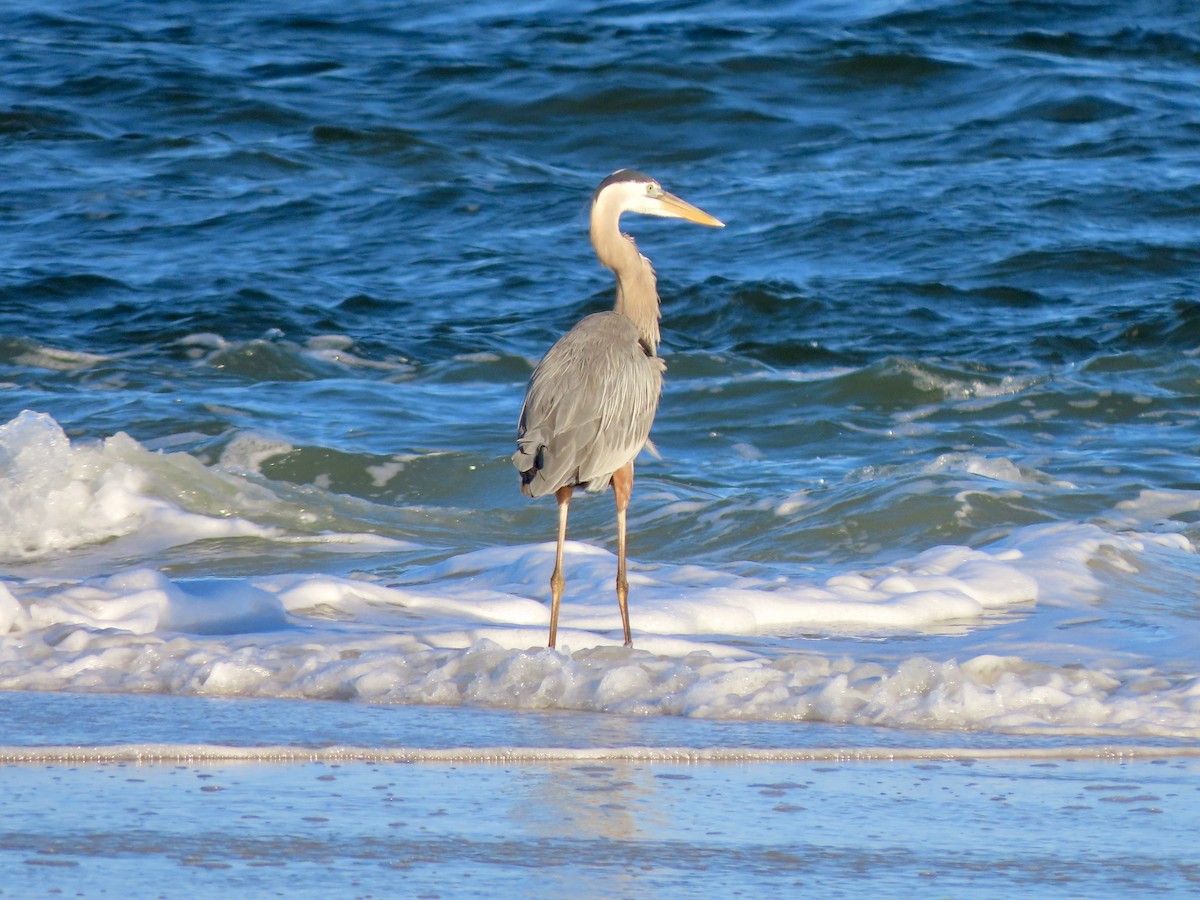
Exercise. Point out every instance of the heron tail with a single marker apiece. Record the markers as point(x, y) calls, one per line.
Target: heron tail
point(529, 459)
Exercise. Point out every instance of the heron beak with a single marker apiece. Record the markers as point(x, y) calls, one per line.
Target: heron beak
point(676, 208)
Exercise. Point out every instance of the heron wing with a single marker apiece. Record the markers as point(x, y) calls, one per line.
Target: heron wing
point(589, 406)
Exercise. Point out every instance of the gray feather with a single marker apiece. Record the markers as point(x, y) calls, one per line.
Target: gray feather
point(589, 406)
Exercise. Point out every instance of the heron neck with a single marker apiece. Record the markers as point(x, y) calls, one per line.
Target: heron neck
point(637, 287)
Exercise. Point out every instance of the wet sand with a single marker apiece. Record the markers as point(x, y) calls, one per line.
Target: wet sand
point(594, 822)
point(626, 829)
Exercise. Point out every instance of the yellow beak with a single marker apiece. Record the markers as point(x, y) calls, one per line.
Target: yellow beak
point(676, 208)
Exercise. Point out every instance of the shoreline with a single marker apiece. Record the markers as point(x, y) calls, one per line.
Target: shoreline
point(213, 753)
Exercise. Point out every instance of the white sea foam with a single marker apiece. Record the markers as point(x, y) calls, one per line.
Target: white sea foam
point(993, 468)
point(973, 393)
point(248, 450)
point(459, 632)
point(324, 348)
point(1004, 694)
point(56, 359)
point(142, 601)
point(117, 498)
point(943, 584)
point(55, 497)
point(1031, 649)
point(1155, 507)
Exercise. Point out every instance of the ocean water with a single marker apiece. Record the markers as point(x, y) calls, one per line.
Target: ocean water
point(274, 277)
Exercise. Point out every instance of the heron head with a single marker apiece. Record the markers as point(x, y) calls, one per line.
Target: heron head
point(632, 191)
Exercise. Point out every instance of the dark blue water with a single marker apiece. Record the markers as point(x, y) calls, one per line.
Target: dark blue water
point(279, 275)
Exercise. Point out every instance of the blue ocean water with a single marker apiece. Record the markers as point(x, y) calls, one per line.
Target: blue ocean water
point(274, 278)
point(274, 281)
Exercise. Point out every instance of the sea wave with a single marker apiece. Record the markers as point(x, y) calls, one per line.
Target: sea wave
point(997, 694)
point(709, 644)
point(72, 504)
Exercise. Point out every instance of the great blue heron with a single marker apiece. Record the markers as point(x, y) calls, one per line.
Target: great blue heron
point(592, 398)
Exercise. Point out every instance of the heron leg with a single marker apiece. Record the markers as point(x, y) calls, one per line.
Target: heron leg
point(557, 582)
point(622, 482)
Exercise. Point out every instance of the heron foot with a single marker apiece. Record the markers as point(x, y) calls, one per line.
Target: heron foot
point(623, 603)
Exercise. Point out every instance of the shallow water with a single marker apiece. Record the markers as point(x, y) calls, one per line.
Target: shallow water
point(220, 794)
point(274, 281)
point(359, 829)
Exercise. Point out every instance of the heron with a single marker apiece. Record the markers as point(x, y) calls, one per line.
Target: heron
point(592, 398)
